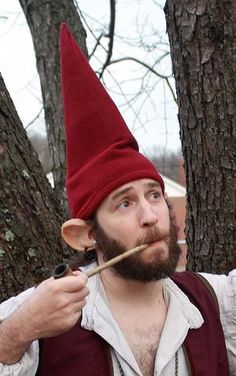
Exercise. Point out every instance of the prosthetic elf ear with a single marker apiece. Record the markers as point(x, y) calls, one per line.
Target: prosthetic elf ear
point(77, 234)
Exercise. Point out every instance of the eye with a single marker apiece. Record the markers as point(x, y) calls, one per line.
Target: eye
point(155, 195)
point(124, 204)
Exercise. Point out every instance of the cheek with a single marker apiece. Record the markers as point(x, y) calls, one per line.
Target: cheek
point(164, 217)
point(167, 221)
point(120, 229)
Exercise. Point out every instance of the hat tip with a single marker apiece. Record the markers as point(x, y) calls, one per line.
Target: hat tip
point(64, 28)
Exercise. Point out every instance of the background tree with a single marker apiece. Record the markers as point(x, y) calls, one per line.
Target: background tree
point(203, 48)
point(40, 145)
point(30, 214)
point(44, 21)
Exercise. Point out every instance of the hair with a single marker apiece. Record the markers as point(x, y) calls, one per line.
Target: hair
point(82, 258)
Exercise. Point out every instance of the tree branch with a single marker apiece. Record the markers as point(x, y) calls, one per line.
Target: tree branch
point(96, 45)
point(111, 36)
point(35, 118)
point(166, 78)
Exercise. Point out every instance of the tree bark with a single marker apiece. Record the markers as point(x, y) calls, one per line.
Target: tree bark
point(202, 36)
point(30, 214)
point(44, 19)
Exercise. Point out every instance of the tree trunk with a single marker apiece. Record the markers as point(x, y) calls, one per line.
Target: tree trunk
point(44, 19)
point(203, 47)
point(30, 214)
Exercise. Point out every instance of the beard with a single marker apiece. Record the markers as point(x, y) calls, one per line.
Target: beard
point(162, 263)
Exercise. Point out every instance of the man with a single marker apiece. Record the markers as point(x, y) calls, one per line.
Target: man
point(131, 319)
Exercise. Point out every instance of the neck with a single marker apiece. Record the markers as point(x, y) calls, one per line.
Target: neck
point(128, 290)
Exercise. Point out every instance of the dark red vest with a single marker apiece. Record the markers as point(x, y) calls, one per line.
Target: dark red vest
point(83, 352)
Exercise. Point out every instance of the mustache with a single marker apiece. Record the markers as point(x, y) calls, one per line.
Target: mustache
point(153, 236)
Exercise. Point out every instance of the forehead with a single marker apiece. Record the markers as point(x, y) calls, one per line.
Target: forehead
point(135, 185)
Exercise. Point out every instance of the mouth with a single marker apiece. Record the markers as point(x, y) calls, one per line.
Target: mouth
point(153, 239)
point(154, 243)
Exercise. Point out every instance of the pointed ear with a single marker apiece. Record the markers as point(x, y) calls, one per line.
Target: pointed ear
point(75, 232)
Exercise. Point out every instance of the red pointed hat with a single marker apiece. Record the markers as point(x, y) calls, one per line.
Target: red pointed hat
point(102, 154)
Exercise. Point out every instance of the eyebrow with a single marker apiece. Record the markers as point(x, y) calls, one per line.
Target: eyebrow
point(120, 193)
point(154, 184)
point(128, 189)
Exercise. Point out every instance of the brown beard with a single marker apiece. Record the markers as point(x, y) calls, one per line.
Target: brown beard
point(134, 267)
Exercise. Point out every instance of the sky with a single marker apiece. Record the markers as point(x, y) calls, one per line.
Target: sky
point(156, 126)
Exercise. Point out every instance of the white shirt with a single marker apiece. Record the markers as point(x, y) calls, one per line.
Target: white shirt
point(182, 315)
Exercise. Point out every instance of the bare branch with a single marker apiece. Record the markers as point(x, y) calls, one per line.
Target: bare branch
point(166, 78)
point(130, 58)
point(96, 45)
point(97, 39)
point(35, 118)
point(111, 36)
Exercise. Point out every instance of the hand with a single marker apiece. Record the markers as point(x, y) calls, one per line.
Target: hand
point(55, 306)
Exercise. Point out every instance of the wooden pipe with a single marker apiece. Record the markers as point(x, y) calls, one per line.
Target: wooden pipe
point(63, 269)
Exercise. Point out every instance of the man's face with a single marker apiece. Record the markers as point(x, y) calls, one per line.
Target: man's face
point(137, 213)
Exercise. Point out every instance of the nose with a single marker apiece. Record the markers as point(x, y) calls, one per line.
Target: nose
point(148, 214)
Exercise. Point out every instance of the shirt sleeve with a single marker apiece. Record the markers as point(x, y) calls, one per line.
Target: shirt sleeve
point(225, 289)
point(28, 364)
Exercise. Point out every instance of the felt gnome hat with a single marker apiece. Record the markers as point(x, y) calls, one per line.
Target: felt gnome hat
point(102, 154)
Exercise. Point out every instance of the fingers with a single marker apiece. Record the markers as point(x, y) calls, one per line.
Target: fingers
point(67, 284)
point(74, 283)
